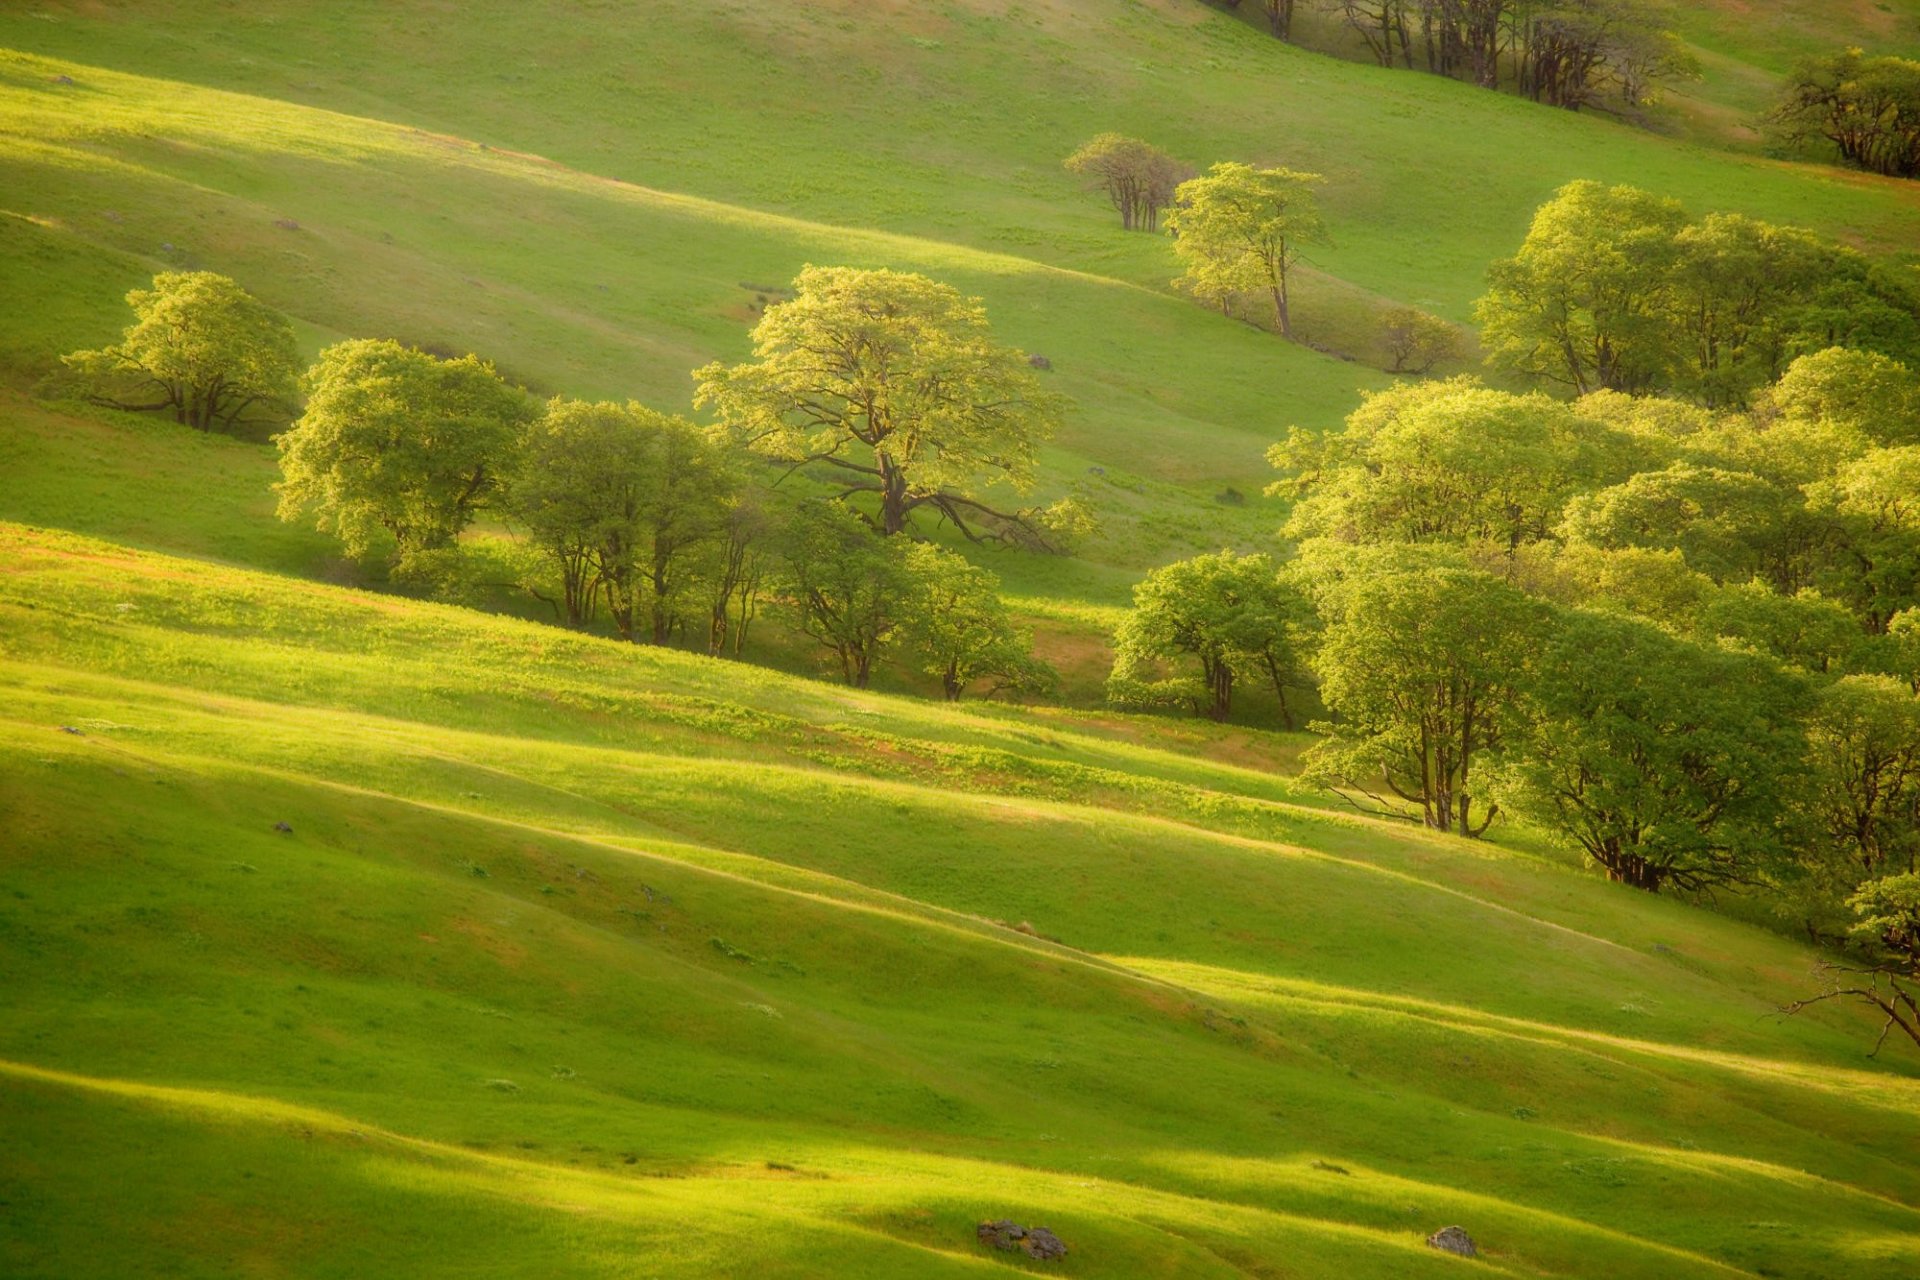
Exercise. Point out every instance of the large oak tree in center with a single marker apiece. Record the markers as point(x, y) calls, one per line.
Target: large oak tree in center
point(892, 384)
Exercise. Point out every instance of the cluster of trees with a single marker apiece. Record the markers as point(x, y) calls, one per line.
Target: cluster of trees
point(1239, 232)
point(1686, 642)
point(1618, 289)
point(1868, 109)
point(1237, 229)
point(1138, 177)
point(1569, 53)
point(888, 385)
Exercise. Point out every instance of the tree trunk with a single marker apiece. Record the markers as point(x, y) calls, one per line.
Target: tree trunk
point(893, 498)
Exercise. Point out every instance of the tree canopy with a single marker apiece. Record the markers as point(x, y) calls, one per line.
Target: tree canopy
point(1421, 667)
point(890, 384)
point(1136, 176)
point(1231, 614)
point(958, 628)
point(1240, 229)
point(620, 497)
point(396, 441)
point(200, 347)
point(1665, 761)
point(1617, 289)
point(1867, 109)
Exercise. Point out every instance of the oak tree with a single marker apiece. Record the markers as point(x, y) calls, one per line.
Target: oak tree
point(201, 348)
point(892, 385)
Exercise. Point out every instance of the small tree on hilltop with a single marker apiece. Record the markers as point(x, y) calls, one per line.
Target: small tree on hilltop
point(891, 384)
point(200, 347)
point(1239, 229)
point(394, 440)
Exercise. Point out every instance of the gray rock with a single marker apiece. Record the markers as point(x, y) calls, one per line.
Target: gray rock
point(1044, 1245)
point(1001, 1234)
point(1011, 1237)
point(1453, 1240)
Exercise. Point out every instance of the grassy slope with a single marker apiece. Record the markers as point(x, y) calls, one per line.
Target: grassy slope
point(727, 936)
point(582, 960)
point(918, 136)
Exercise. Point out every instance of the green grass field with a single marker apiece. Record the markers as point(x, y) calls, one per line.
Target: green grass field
point(581, 959)
point(684, 968)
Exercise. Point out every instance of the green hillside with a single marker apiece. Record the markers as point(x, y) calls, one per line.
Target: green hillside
point(344, 934)
point(580, 961)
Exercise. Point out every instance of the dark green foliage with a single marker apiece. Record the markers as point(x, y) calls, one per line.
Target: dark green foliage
point(1422, 669)
point(1666, 762)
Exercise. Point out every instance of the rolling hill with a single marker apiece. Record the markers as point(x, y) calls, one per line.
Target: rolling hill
point(343, 934)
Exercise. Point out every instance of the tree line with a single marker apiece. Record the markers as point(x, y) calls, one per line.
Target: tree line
point(1576, 54)
point(1618, 289)
point(885, 390)
point(1669, 614)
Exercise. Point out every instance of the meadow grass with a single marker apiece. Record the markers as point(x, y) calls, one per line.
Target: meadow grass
point(672, 962)
point(582, 958)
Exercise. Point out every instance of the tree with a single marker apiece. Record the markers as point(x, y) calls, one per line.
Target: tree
point(1279, 17)
point(1578, 53)
point(957, 624)
point(1380, 24)
point(1585, 301)
point(1449, 461)
point(1136, 176)
point(577, 491)
point(1804, 630)
point(1664, 761)
point(200, 347)
point(1738, 286)
point(621, 497)
point(849, 588)
point(1730, 525)
point(893, 384)
point(733, 571)
point(394, 440)
point(1416, 341)
point(1231, 614)
point(1874, 503)
point(1421, 669)
point(1867, 108)
point(1862, 785)
point(1860, 391)
point(1886, 933)
point(1239, 228)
